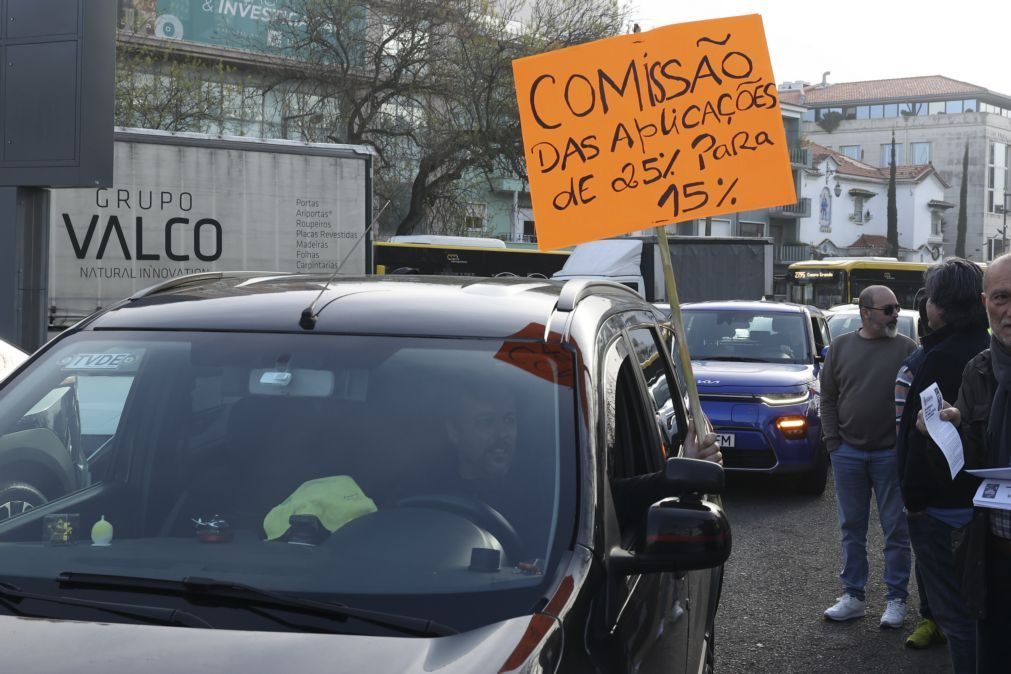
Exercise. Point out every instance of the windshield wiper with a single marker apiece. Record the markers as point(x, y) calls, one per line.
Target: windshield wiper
point(11, 596)
point(239, 592)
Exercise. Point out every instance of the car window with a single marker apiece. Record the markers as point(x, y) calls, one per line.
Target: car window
point(657, 373)
point(410, 440)
point(742, 334)
point(840, 324)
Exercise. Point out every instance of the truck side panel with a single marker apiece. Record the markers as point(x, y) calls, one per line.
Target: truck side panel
point(177, 209)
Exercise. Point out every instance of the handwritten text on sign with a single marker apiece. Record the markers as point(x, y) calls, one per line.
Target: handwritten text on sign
point(648, 129)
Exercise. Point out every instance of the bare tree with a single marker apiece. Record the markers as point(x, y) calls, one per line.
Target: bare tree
point(160, 89)
point(428, 84)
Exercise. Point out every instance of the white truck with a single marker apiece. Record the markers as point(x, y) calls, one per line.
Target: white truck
point(705, 267)
point(184, 203)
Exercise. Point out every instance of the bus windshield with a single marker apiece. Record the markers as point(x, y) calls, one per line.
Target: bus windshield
point(822, 288)
point(830, 282)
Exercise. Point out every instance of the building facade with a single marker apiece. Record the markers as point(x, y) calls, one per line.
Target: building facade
point(934, 120)
point(849, 215)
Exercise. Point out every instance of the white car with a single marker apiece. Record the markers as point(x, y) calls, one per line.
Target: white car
point(10, 357)
point(845, 318)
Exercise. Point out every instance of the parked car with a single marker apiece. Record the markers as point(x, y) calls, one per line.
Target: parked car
point(293, 461)
point(845, 318)
point(756, 365)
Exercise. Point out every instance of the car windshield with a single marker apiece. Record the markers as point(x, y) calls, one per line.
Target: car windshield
point(339, 467)
point(840, 324)
point(746, 335)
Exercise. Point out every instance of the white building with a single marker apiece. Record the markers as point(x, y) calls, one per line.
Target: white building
point(849, 208)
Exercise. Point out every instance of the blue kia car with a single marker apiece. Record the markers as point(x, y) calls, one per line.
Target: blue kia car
point(756, 365)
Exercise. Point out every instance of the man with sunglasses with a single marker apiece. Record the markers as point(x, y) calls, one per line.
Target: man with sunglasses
point(857, 418)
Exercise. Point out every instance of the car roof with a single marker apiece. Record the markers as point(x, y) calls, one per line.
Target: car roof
point(387, 305)
point(753, 305)
point(846, 309)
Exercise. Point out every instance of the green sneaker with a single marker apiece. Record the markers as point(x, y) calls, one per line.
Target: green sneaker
point(926, 634)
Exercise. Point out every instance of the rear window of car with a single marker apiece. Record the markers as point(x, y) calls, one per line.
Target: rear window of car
point(745, 335)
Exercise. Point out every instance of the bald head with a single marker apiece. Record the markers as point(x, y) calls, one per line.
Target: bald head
point(879, 314)
point(997, 298)
point(996, 269)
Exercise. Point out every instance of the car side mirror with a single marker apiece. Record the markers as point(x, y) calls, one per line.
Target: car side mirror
point(693, 476)
point(681, 534)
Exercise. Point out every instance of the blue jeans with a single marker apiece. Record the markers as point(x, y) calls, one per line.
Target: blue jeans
point(935, 565)
point(856, 472)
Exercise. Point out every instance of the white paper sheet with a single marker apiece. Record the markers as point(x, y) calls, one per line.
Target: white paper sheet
point(941, 432)
point(993, 494)
point(995, 473)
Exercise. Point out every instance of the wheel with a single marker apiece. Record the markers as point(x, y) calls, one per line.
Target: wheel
point(476, 512)
point(19, 497)
point(812, 482)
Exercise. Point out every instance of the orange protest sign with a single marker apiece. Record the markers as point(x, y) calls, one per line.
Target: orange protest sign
point(653, 128)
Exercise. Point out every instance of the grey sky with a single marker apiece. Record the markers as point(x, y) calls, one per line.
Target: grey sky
point(860, 40)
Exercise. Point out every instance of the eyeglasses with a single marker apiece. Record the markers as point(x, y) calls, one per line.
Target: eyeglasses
point(887, 310)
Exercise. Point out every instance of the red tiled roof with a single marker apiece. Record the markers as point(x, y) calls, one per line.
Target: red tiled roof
point(870, 241)
point(905, 88)
point(852, 167)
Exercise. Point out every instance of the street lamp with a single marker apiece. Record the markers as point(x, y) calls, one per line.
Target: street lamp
point(837, 190)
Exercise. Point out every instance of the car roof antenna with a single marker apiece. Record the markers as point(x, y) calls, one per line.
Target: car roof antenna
point(309, 314)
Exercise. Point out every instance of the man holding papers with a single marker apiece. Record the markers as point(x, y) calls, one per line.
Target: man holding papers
point(983, 416)
point(937, 496)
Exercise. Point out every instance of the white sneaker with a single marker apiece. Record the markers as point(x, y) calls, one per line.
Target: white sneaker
point(895, 613)
point(847, 608)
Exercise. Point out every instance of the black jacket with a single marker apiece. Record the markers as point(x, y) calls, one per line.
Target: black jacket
point(924, 475)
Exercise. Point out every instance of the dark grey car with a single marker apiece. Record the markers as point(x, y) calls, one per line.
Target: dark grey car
point(280, 461)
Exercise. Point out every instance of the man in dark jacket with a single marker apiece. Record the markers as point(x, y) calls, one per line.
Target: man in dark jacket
point(937, 506)
point(983, 416)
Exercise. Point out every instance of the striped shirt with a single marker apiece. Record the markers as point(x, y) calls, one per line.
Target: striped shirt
point(903, 380)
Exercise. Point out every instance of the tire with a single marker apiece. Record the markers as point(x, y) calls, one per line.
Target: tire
point(19, 497)
point(812, 482)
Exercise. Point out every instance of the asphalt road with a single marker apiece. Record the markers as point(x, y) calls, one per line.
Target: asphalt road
point(781, 576)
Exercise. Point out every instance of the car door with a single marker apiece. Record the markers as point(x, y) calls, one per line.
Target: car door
point(652, 627)
point(704, 585)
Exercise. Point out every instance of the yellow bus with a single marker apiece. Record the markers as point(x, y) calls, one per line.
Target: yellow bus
point(825, 283)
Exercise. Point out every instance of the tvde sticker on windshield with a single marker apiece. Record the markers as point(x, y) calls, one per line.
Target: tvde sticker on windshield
point(99, 361)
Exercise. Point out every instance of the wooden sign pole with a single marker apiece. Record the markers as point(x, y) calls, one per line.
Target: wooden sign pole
point(678, 326)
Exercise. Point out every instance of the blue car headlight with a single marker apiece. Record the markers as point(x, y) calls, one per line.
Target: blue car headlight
point(782, 399)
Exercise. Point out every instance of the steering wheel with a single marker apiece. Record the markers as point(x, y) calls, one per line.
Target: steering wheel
point(476, 512)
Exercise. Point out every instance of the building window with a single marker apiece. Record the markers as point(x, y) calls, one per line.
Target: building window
point(936, 223)
point(935, 108)
point(911, 109)
point(851, 151)
point(529, 232)
point(863, 112)
point(886, 154)
point(996, 179)
point(474, 220)
point(877, 111)
point(859, 216)
point(720, 228)
point(891, 110)
point(686, 228)
point(751, 228)
point(919, 153)
point(969, 106)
